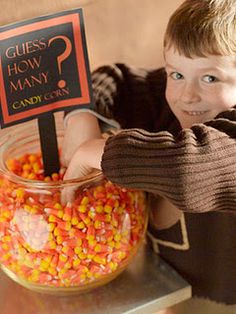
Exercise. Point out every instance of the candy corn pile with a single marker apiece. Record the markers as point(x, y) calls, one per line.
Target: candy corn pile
point(46, 243)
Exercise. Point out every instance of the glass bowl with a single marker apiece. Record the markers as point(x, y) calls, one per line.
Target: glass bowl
point(62, 249)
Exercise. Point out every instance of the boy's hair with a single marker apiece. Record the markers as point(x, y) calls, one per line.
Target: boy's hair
point(203, 27)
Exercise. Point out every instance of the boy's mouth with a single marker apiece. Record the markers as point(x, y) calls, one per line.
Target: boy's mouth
point(194, 113)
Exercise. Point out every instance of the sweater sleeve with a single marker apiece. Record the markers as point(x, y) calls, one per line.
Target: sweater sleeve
point(106, 82)
point(134, 97)
point(196, 170)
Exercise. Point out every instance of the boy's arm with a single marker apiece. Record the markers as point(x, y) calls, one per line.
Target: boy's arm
point(114, 89)
point(196, 171)
point(82, 125)
point(81, 128)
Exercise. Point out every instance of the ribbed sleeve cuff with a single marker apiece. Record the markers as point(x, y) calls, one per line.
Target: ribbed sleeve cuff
point(195, 171)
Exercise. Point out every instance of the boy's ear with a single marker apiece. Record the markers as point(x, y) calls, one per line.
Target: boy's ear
point(18, 10)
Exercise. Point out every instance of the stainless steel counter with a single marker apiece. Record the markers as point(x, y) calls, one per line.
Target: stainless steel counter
point(147, 286)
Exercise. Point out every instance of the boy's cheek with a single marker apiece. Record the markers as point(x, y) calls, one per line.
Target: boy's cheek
point(171, 96)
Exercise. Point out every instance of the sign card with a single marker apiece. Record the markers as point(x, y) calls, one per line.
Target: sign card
point(43, 67)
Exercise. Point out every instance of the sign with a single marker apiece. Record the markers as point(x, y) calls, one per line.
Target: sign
point(43, 67)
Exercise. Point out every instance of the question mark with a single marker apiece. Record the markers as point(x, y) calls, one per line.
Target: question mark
point(62, 56)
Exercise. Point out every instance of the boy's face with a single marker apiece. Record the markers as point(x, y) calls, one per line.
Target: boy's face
point(198, 89)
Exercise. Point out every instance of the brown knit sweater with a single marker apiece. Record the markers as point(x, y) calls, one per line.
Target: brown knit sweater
point(194, 169)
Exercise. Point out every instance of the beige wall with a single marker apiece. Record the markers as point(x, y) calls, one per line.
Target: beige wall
point(117, 30)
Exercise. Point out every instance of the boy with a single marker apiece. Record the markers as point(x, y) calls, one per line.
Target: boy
point(178, 142)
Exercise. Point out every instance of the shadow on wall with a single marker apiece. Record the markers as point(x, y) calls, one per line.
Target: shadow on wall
point(128, 31)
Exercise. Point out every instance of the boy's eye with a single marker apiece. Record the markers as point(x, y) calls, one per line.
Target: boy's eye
point(209, 79)
point(176, 76)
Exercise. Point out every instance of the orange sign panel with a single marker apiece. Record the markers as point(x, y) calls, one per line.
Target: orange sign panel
point(44, 67)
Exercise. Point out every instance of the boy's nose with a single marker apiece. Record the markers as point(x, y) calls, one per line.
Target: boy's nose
point(190, 94)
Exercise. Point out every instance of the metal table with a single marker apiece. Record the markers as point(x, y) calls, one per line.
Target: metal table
point(147, 286)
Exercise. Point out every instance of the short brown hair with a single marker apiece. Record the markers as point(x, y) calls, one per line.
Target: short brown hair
point(203, 27)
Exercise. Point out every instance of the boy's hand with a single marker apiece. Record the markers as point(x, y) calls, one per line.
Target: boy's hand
point(80, 128)
point(86, 158)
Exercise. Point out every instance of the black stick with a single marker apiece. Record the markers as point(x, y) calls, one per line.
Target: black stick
point(48, 141)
